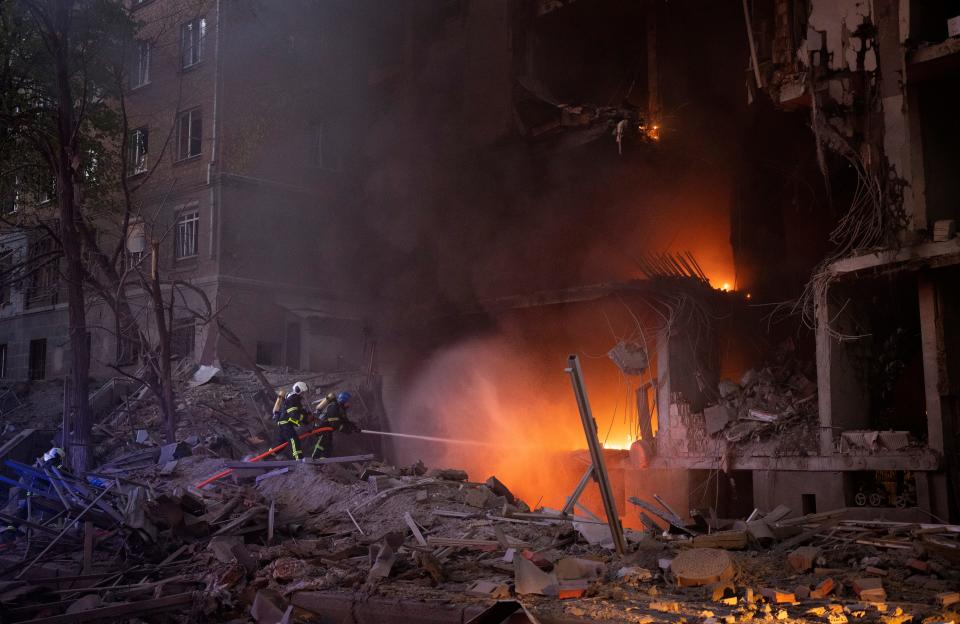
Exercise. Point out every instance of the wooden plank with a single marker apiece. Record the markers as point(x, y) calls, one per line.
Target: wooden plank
point(473, 543)
point(240, 520)
point(271, 519)
point(124, 610)
point(674, 522)
point(87, 546)
point(32, 525)
point(662, 502)
point(414, 528)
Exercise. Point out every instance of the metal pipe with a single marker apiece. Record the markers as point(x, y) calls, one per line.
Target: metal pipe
point(753, 45)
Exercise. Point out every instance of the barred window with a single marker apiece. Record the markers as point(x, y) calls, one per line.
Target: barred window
point(187, 234)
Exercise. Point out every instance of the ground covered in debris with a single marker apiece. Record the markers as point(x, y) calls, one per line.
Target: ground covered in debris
point(356, 538)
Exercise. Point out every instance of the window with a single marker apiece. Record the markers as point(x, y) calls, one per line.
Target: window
point(46, 188)
point(192, 35)
point(43, 260)
point(268, 353)
point(136, 244)
point(137, 151)
point(189, 134)
point(6, 277)
point(141, 65)
point(3, 361)
point(11, 196)
point(322, 154)
point(182, 337)
point(187, 234)
point(37, 363)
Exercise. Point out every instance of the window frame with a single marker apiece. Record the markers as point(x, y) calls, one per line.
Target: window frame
point(188, 217)
point(141, 76)
point(188, 117)
point(134, 148)
point(196, 26)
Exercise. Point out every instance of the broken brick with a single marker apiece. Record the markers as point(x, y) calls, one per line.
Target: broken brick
point(803, 558)
point(778, 595)
point(824, 589)
point(869, 589)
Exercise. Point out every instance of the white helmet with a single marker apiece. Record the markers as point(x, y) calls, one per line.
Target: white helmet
point(53, 453)
point(300, 387)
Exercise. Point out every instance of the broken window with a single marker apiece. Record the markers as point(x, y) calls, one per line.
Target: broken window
point(141, 65)
point(187, 234)
point(37, 363)
point(192, 35)
point(189, 134)
point(137, 151)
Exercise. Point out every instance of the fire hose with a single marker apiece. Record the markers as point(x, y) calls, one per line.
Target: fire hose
point(392, 434)
point(267, 453)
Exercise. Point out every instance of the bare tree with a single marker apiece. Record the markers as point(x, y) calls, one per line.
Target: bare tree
point(56, 114)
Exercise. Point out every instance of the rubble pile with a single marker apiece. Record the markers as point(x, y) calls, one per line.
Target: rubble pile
point(766, 402)
point(282, 539)
point(196, 530)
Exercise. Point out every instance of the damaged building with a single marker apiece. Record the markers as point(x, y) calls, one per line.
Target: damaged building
point(642, 311)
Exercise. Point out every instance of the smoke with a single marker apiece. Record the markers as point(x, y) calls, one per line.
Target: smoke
point(488, 390)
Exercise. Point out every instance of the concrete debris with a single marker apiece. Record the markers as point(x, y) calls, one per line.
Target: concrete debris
point(630, 357)
point(317, 536)
point(702, 566)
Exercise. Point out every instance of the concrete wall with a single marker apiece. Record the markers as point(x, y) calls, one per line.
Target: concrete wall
point(17, 332)
point(772, 488)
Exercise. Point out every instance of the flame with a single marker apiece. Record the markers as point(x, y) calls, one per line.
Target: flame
point(623, 445)
point(489, 390)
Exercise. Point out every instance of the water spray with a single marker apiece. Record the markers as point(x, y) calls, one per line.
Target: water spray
point(427, 438)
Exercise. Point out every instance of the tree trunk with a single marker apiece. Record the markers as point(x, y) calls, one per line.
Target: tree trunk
point(165, 368)
point(78, 438)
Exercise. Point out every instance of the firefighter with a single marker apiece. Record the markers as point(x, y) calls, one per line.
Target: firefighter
point(290, 413)
point(334, 416)
point(54, 457)
point(9, 534)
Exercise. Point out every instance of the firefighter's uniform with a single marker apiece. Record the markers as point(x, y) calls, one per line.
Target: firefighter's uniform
point(292, 414)
point(334, 416)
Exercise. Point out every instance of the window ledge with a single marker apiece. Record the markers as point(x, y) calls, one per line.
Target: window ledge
point(140, 86)
point(182, 161)
point(191, 67)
